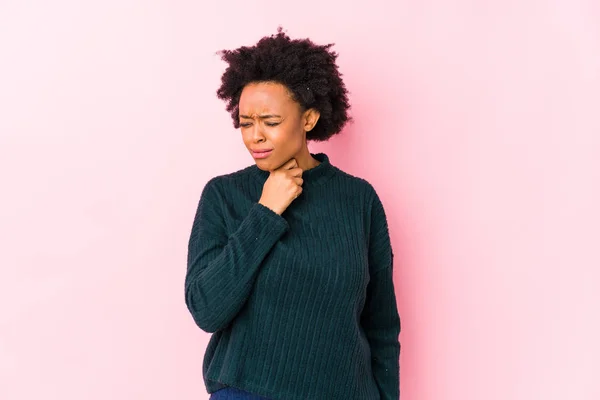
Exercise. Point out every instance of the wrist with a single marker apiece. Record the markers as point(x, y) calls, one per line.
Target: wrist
point(269, 207)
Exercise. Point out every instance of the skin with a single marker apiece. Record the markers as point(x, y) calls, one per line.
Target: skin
point(271, 119)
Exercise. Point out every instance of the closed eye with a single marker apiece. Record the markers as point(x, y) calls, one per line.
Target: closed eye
point(245, 125)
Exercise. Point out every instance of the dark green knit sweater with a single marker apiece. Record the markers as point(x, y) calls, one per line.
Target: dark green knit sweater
point(302, 304)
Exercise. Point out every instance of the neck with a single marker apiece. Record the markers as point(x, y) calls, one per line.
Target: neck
point(317, 169)
point(305, 160)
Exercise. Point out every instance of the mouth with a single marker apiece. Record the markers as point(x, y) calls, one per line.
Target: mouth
point(261, 153)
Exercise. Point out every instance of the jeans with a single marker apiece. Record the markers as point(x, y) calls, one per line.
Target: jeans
point(231, 393)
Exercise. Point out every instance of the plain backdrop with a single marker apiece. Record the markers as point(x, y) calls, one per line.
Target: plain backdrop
point(478, 122)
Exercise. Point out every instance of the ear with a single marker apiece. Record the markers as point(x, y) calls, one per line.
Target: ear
point(310, 118)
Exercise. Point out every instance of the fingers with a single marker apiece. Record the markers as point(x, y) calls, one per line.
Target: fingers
point(292, 163)
point(299, 193)
point(292, 168)
point(296, 172)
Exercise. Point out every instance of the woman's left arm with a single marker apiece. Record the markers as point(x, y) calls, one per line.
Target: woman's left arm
point(380, 319)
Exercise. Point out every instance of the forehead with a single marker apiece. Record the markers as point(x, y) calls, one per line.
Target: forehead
point(264, 97)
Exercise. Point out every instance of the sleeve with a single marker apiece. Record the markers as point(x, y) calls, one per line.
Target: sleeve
point(221, 269)
point(380, 318)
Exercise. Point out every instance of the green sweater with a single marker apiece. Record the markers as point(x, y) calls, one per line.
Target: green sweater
point(301, 305)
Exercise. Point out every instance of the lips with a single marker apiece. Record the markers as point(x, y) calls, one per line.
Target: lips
point(261, 153)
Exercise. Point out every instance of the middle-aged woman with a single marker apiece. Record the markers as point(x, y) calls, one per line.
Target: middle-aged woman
point(289, 259)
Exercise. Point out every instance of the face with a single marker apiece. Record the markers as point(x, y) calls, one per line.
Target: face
point(271, 120)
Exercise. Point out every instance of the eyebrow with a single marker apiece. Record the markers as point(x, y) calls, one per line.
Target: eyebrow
point(264, 116)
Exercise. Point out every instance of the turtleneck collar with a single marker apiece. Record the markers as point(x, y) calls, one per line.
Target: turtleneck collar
point(313, 176)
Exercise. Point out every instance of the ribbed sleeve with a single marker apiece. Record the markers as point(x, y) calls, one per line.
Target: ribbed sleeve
point(221, 269)
point(380, 318)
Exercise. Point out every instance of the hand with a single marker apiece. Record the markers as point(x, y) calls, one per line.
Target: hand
point(283, 186)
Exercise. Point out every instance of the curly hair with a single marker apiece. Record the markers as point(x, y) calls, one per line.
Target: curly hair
point(307, 70)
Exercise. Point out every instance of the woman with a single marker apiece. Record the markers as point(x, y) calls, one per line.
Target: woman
point(290, 261)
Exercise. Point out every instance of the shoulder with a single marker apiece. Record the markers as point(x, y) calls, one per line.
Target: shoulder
point(358, 186)
point(224, 182)
point(364, 192)
point(375, 219)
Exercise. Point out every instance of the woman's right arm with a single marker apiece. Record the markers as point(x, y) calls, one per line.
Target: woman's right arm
point(221, 268)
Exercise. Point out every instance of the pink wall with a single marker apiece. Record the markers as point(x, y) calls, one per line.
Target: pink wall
point(478, 123)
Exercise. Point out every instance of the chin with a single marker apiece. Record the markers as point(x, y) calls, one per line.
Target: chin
point(268, 164)
point(264, 165)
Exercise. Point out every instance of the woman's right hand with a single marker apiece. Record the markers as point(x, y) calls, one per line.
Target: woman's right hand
point(283, 186)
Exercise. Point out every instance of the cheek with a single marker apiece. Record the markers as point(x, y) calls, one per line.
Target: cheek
point(285, 136)
point(279, 136)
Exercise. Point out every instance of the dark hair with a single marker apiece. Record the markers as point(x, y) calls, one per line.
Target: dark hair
point(307, 70)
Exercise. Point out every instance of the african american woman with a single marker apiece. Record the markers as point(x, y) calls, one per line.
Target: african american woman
point(289, 259)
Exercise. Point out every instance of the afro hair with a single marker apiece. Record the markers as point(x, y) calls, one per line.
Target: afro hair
point(307, 70)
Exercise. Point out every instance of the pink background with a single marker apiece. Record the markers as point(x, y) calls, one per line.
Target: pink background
point(478, 123)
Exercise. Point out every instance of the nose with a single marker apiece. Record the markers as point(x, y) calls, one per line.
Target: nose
point(257, 132)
